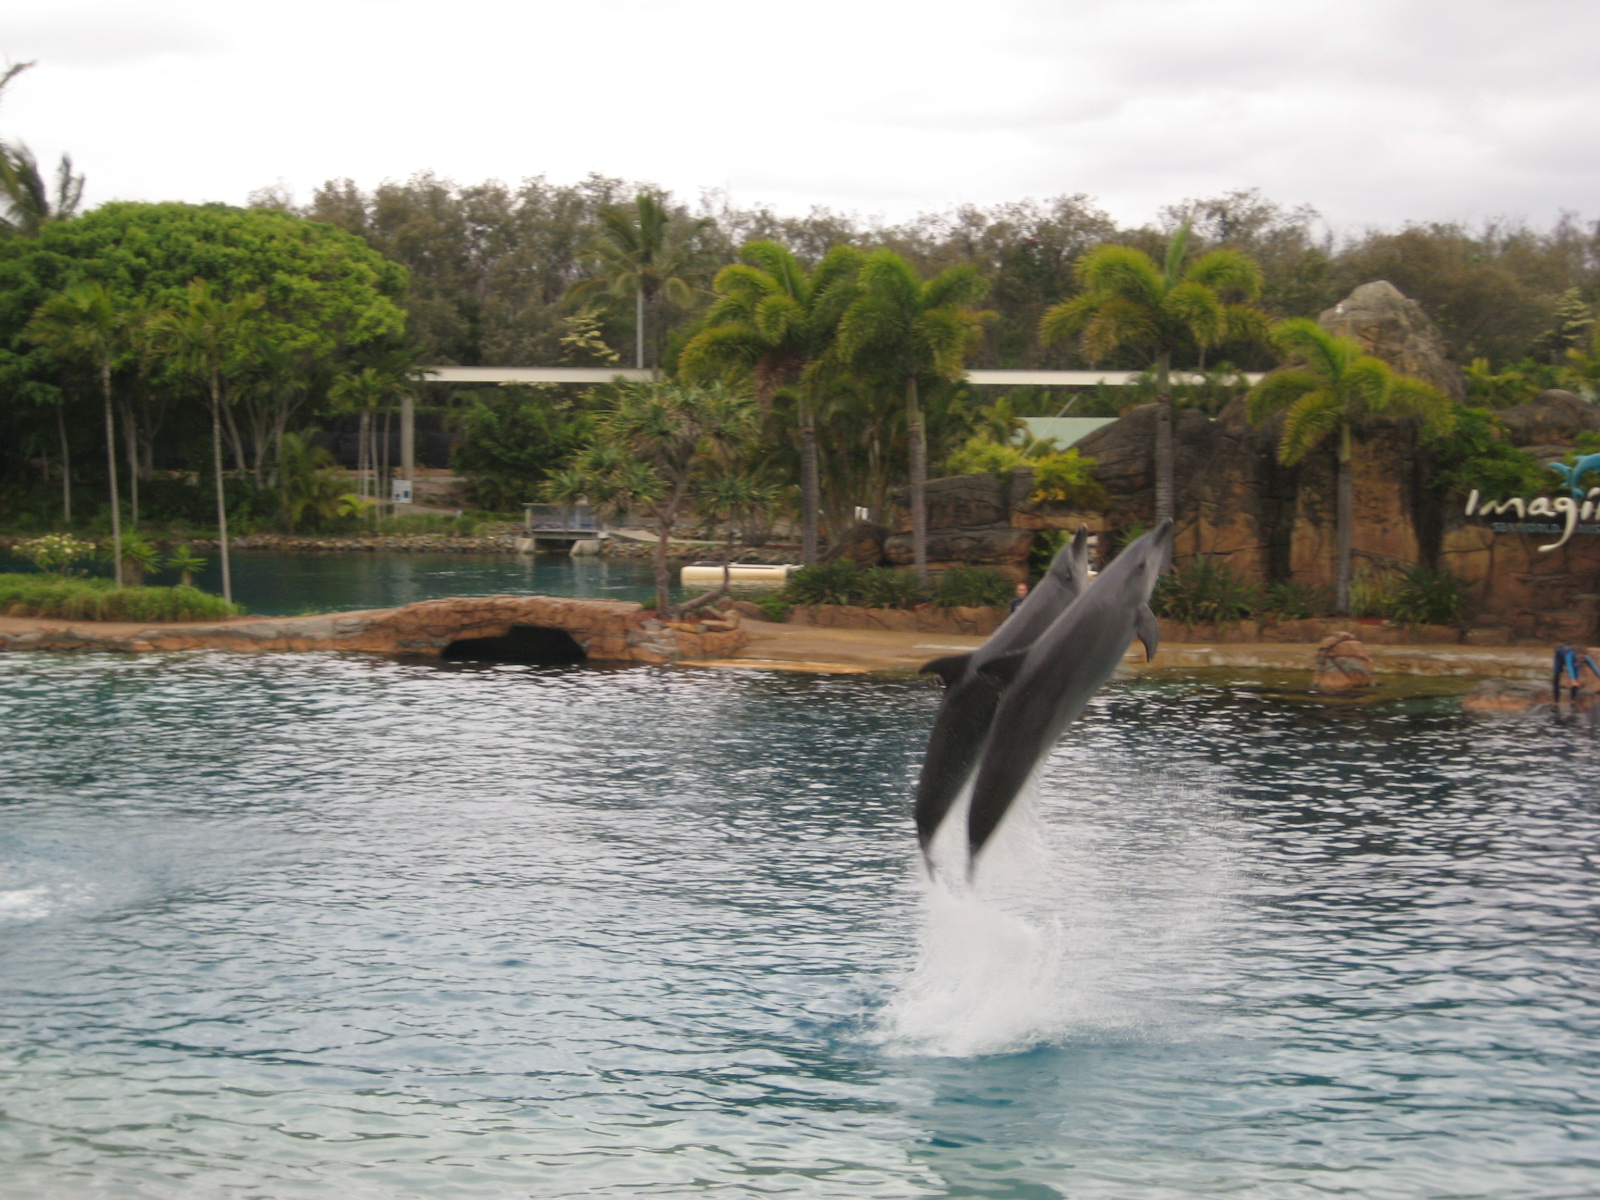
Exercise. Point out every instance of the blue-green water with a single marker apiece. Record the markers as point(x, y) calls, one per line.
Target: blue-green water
point(287, 584)
point(311, 925)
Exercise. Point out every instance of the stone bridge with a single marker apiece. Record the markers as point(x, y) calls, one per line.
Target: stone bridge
point(518, 628)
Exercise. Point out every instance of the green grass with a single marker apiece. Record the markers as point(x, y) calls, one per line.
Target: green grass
point(102, 600)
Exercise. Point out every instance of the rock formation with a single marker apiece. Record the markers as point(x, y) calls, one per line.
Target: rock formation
point(1342, 664)
point(603, 629)
point(1395, 329)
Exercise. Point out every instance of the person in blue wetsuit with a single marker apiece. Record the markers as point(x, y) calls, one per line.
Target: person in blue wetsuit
point(1568, 663)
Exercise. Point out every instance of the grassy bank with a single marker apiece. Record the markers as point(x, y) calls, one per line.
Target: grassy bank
point(101, 600)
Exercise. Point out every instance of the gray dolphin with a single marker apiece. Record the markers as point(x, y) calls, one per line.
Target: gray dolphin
point(1048, 684)
point(971, 697)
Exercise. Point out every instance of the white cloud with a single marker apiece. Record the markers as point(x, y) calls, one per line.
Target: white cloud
point(1375, 111)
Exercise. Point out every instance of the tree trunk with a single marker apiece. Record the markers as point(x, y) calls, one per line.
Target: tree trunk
point(1344, 519)
point(663, 576)
point(131, 440)
point(919, 482)
point(638, 330)
point(1163, 449)
point(810, 491)
point(222, 503)
point(66, 464)
point(111, 466)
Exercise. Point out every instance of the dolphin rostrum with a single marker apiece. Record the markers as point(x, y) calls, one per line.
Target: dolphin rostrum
point(970, 696)
point(1049, 683)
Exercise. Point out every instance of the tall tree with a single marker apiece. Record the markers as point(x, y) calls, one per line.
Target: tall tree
point(773, 319)
point(1329, 389)
point(655, 448)
point(649, 252)
point(902, 330)
point(199, 340)
point(1128, 301)
point(82, 325)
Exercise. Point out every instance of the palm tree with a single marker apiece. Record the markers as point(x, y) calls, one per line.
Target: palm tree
point(29, 204)
point(1328, 390)
point(1129, 302)
point(774, 320)
point(646, 251)
point(899, 328)
point(198, 339)
point(82, 324)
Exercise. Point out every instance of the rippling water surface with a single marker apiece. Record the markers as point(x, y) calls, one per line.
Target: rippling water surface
point(335, 926)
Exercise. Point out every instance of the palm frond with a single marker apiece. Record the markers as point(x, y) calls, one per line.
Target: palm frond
point(1120, 321)
point(1279, 391)
point(1310, 420)
point(1124, 272)
point(1067, 319)
point(1227, 271)
point(1196, 309)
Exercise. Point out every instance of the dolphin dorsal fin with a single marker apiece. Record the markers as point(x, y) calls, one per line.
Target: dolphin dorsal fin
point(949, 669)
point(1149, 630)
point(1001, 671)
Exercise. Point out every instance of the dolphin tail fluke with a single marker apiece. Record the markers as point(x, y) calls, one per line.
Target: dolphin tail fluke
point(949, 669)
point(1149, 630)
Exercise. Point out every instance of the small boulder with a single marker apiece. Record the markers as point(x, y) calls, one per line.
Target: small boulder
point(1342, 664)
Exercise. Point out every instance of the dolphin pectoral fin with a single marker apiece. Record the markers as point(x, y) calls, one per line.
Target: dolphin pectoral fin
point(949, 669)
point(1001, 671)
point(1149, 630)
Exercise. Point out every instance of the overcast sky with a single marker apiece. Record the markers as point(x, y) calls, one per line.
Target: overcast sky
point(1374, 111)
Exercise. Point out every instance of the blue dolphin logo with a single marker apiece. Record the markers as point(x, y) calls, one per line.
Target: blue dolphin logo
point(1575, 473)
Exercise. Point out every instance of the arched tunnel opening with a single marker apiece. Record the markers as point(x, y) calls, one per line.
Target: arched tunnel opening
point(533, 644)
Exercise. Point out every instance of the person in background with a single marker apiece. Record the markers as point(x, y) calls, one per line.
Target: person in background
point(1016, 600)
point(1568, 663)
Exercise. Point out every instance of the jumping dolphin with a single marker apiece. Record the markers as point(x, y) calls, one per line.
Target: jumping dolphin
point(1047, 685)
point(970, 697)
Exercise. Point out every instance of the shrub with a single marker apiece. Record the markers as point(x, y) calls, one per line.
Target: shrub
point(101, 600)
point(972, 587)
point(1068, 478)
point(1475, 454)
point(1426, 597)
point(60, 553)
point(980, 454)
point(886, 587)
point(774, 607)
point(1206, 591)
point(1373, 593)
point(829, 583)
point(139, 557)
point(1287, 600)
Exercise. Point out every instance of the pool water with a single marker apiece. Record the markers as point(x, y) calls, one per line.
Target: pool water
point(321, 925)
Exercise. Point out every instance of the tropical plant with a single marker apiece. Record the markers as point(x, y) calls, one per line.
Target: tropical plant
point(972, 587)
point(1291, 600)
point(508, 445)
point(887, 587)
point(1476, 454)
point(29, 202)
point(825, 583)
point(775, 321)
point(647, 251)
point(1428, 597)
point(186, 563)
point(1206, 590)
point(309, 491)
point(900, 329)
point(1068, 478)
point(197, 340)
point(653, 448)
point(1128, 301)
point(82, 325)
point(139, 558)
point(1328, 391)
point(1373, 592)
